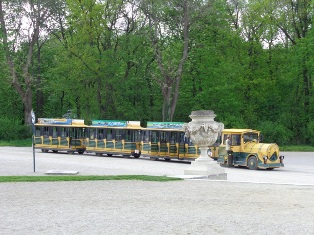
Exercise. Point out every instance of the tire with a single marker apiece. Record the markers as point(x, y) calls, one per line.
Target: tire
point(54, 151)
point(167, 159)
point(252, 163)
point(136, 156)
point(80, 151)
point(270, 169)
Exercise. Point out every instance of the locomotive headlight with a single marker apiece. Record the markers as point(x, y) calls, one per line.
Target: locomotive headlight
point(265, 159)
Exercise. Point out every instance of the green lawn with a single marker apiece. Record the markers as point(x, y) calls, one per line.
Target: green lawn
point(297, 148)
point(85, 178)
point(288, 148)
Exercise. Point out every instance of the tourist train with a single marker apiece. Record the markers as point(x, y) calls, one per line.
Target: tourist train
point(158, 140)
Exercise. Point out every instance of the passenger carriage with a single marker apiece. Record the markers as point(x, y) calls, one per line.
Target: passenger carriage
point(114, 137)
point(166, 140)
point(56, 135)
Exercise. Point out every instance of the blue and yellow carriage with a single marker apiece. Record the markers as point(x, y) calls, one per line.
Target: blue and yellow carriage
point(56, 135)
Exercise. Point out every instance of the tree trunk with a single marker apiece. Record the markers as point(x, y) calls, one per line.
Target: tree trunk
point(171, 77)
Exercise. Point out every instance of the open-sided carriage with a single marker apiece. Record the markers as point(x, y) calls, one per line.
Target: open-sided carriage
point(60, 135)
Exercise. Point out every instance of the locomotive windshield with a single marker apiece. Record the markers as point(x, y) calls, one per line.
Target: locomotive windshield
point(250, 137)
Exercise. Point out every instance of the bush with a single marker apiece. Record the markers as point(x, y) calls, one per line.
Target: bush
point(233, 122)
point(275, 133)
point(14, 130)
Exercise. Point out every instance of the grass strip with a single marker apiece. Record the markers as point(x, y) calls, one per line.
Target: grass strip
point(287, 148)
point(85, 178)
point(297, 148)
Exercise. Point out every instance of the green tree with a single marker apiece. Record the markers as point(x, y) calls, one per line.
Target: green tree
point(169, 35)
point(294, 20)
point(215, 66)
point(20, 43)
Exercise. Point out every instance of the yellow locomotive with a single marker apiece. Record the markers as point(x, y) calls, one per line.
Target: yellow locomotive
point(247, 150)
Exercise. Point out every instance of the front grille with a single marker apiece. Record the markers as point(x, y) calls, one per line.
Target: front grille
point(274, 157)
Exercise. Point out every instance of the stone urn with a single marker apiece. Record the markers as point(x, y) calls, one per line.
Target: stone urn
point(203, 131)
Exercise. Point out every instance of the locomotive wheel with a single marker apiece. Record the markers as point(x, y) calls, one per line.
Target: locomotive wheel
point(252, 163)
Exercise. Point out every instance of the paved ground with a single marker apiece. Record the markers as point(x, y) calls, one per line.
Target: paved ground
point(249, 202)
point(299, 167)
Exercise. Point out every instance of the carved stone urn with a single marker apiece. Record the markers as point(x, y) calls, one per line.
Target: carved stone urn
point(203, 131)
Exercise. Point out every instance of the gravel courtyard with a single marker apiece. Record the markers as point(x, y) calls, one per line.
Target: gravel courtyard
point(138, 207)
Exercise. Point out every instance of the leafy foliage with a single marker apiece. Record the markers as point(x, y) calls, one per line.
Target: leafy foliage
point(275, 133)
point(11, 129)
point(249, 61)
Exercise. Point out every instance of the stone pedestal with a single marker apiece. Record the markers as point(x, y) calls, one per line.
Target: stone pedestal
point(204, 131)
point(209, 169)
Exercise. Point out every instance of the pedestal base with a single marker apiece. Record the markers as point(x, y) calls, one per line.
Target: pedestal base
point(206, 168)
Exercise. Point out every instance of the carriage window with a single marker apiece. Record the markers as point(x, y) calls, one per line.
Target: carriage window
point(100, 134)
point(173, 137)
point(54, 132)
point(71, 132)
point(137, 135)
point(154, 136)
point(64, 132)
point(109, 134)
point(80, 133)
point(146, 138)
point(182, 138)
point(119, 135)
point(92, 134)
point(38, 131)
point(46, 131)
point(132, 135)
point(164, 137)
point(128, 135)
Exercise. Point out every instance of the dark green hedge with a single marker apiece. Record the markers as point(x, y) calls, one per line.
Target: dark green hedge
point(14, 130)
